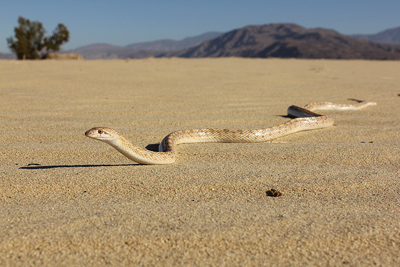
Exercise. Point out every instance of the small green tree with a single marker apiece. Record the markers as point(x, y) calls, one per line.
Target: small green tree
point(30, 42)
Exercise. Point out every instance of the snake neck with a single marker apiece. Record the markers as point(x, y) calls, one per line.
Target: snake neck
point(141, 155)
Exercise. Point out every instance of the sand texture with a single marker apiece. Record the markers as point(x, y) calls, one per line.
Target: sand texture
point(67, 200)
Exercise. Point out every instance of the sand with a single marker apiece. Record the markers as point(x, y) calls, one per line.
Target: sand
point(67, 200)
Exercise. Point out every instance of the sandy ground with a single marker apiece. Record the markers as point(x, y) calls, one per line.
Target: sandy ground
point(67, 200)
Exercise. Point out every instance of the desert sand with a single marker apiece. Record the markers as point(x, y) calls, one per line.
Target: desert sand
point(67, 200)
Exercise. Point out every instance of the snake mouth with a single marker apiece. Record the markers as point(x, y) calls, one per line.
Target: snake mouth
point(89, 133)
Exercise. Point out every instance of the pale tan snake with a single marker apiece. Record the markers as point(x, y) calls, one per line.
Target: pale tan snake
point(305, 119)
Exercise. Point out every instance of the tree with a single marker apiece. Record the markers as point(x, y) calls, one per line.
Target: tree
point(30, 42)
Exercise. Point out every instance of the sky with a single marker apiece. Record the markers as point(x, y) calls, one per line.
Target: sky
point(123, 22)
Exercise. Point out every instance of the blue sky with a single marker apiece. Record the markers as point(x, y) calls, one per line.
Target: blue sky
point(123, 22)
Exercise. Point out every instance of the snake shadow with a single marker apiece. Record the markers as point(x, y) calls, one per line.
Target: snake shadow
point(153, 147)
point(44, 167)
point(36, 166)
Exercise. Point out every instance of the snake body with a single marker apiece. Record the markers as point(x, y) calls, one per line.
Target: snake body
point(305, 119)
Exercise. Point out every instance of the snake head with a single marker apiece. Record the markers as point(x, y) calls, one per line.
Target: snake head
point(102, 133)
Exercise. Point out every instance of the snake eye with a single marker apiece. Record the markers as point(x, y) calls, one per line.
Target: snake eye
point(100, 131)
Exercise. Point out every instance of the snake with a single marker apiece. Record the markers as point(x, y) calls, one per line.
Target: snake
point(302, 119)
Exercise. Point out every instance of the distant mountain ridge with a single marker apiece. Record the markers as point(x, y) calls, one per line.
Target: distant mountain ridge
point(271, 40)
point(173, 45)
point(390, 36)
point(7, 56)
point(141, 50)
point(287, 40)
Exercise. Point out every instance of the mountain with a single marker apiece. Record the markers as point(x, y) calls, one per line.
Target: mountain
point(104, 51)
point(173, 45)
point(140, 50)
point(7, 56)
point(390, 36)
point(289, 41)
point(283, 40)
